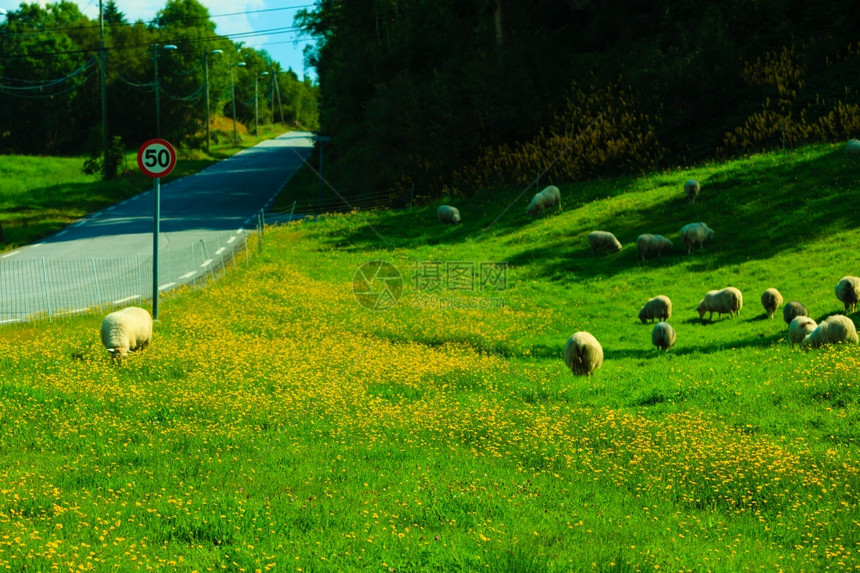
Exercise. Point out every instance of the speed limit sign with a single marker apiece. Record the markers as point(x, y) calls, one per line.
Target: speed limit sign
point(156, 158)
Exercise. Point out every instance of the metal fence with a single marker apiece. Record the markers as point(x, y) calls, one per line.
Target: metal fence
point(44, 289)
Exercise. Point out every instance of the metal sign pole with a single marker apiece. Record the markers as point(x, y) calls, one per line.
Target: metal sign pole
point(156, 191)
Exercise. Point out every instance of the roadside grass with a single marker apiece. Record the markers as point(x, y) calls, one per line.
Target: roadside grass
point(277, 424)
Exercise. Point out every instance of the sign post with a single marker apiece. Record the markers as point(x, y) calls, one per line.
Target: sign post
point(156, 158)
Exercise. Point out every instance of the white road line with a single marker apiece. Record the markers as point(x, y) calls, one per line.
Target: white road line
point(34, 245)
point(12, 254)
point(188, 275)
point(221, 250)
point(70, 312)
point(111, 208)
point(230, 240)
point(166, 286)
point(79, 223)
point(61, 233)
point(206, 263)
point(126, 299)
point(239, 231)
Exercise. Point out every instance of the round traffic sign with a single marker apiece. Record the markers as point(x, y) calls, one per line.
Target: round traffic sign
point(156, 158)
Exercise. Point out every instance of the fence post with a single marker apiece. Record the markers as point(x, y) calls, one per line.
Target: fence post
point(47, 294)
point(206, 258)
point(140, 276)
point(245, 242)
point(96, 283)
point(222, 248)
point(193, 267)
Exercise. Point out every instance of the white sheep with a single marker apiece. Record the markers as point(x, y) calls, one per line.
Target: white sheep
point(848, 292)
point(792, 310)
point(650, 244)
point(583, 354)
point(549, 197)
point(800, 328)
point(659, 307)
point(663, 335)
point(728, 300)
point(771, 300)
point(448, 214)
point(603, 241)
point(852, 148)
point(836, 329)
point(127, 329)
point(691, 188)
point(695, 234)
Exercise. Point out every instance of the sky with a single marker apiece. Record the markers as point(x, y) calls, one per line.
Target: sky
point(260, 24)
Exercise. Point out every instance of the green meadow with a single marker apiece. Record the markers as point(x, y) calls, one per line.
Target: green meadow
point(376, 391)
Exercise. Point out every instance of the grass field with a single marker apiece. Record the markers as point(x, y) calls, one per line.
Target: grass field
point(277, 423)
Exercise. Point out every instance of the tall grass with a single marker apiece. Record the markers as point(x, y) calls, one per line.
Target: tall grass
point(275, 423)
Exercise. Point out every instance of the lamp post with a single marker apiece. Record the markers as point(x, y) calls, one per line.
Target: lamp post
point(158, 85)
point(233, 93)
point(256, 107)
point(206, 81)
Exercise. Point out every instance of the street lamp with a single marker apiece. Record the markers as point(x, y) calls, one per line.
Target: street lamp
point(256, 113)
point(206, 78)
point(158, 85)
point(233, 92)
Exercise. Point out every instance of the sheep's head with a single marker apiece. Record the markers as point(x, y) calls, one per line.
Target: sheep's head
point(702, 309)
point(118, 353)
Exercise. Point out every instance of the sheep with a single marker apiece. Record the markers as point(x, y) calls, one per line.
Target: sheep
point(691, 188)
point(650, 244)
point(728, 300)
point(548, 197)
point(127, 329)
point(792, 310)
point(603, 241)
point(583, 354)
point(695, 234)
point(659, 307)
point(836, 329)
point(848, 291)
point(852, 148)
point(448, 214)
point(771, 300)
point(663, 336)
point(800, 328)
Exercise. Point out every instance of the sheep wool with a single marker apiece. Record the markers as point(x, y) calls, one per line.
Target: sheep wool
point(695, 234)
point(848, 292)
point(448, 214)
point(603, 241)
point(800, 328)
point(663, 336)
point(792, 310)
point(127, 329)
point(550, 196)
point(771, 300)
point(691, 188)
point(726, 301)
point(852, 148)
point(583, 354)
point(834, 330)
point(659, 307)
point(651, 244)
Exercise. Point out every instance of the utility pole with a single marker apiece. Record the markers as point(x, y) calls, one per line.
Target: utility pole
point(104, 91)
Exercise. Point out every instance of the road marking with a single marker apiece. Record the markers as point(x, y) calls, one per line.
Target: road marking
point(239, 231)
point(61, 233)
point(221, 250)
point(230, 240)
point(12, 254)
point(188, 275)
point(111, 208)
point(206, 263)
point(79, 223)
point(166, 286)
point(34, 245)
point(126, 299)
point(70, 312)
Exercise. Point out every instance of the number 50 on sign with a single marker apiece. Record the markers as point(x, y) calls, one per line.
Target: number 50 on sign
point(156, 158)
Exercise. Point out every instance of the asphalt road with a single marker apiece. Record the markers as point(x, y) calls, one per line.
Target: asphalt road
point(213, 207)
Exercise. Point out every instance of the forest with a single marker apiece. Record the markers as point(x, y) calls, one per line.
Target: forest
point(51, 95)
point(455, 96)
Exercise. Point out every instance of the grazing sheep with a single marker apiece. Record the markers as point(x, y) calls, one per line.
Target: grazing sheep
point(583, 354)
point(650, 244)
point(695, 234)
point(691, 188)
point(448, 214)
point(603, 241)
point(659, 307)
point(728, 300)
point(800, 328)
point(793, 309)
point(848, 291)
point(549, 197)
point(663, 335)
point(126, 329)
point(836, 329)
point(852, 148)
point(771, 300)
